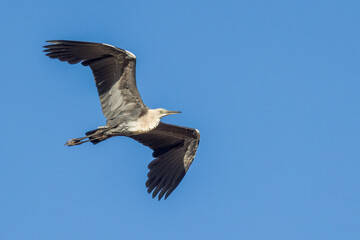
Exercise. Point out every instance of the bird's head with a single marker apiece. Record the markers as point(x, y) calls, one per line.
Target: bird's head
point(163, 112)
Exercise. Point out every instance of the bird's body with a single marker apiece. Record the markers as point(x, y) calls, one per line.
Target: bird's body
point(114, 71)
point(145, 123)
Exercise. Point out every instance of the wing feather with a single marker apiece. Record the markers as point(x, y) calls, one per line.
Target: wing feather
point(113, 69)
point(174, 151)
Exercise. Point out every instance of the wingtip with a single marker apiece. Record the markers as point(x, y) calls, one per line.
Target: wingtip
point(52, 41)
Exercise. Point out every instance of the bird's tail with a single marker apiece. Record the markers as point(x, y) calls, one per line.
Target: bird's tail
point(94, 136)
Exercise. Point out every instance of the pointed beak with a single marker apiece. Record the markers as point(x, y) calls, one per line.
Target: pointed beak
point(172, 112)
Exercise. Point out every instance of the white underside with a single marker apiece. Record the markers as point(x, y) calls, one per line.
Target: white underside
point(146, 123)
point(142, 127)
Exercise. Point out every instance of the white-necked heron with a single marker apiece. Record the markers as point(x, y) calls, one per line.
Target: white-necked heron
point(174, 147)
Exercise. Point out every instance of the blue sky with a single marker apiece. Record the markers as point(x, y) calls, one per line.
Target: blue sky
point(273, 87)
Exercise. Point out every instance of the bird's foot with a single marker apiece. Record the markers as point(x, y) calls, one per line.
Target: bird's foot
point(72, 142)
point(75, 141)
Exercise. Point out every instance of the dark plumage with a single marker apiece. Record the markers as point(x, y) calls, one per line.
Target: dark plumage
point(114, 72)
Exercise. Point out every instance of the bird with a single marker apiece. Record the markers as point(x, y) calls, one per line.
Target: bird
point(174, 147)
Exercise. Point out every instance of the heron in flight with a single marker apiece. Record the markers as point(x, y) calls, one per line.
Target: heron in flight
point(174, 147)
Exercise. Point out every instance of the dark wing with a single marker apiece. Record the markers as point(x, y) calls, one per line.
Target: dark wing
point(113, 69)
point(174, 151)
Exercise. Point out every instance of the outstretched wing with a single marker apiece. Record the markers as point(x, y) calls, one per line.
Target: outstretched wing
point(174, 151)
point(113, 69)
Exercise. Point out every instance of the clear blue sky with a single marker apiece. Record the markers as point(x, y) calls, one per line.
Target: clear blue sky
point(273, 87)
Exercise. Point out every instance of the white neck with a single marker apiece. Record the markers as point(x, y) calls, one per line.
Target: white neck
point(146, 123)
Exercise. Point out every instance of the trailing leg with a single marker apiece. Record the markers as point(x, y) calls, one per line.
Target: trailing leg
point(94, 136)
